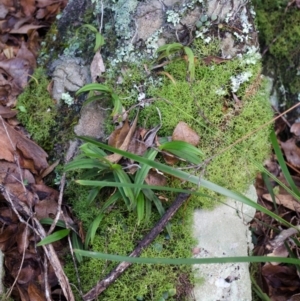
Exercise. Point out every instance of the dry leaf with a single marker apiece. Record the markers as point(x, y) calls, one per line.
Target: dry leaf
point(31, 156)
point(118, 136)
point(155, 178)
point(97, 66)
point(291, 151)
point(114, 158)
point(214, 59)
point(183, 132)
point(295, 129)
point(285, 200)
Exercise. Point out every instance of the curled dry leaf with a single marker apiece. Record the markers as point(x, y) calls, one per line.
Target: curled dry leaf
point(114, 158)
point(118, 136)
point(97, 66)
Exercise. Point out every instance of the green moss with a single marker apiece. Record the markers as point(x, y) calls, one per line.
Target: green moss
point(37, 109)
point(119, 234)
point(208, 107)
point(280, 33)
point(216, 118)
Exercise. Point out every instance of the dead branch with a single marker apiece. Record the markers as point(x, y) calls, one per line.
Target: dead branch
point(116, 272)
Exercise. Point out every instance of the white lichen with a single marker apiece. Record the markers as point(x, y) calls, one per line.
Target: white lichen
point(173, 17)
point(239, 79)
point(67, 98)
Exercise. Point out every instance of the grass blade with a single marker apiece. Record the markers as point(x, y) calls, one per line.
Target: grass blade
point(77, 244)
point(183, 150)
point(191, 179)
point(90, 235)
point(140, 207)
point(191, 62)
point(282, 164)
point(54, 237)
point(142, 172)
point(94, 87)
point(186, 261)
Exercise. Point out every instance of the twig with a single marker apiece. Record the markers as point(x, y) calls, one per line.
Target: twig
point(116, 272)
point(47, 290)
point(59, 203)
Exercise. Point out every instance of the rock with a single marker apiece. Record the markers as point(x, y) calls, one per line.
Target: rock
point(91, 122)
point(69, 75)
point(223, 232)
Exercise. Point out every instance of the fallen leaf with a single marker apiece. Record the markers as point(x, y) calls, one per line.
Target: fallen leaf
point(155, 178)
point(7, 112)
point(114, 158)
point(295, 129)
point(214, 59)
point(35, 293)
point(183, 132)
point(118, 136)
point(285, 200)
point(97, 66)
point(30, 155)
point(291, 151)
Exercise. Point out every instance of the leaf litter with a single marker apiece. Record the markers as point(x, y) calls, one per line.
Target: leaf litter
point(31, 273)
point(279, 281)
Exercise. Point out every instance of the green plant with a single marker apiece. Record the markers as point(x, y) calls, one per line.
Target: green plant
point(131, 189)
point(99, 39)
point(168, 49)
point(100, 92)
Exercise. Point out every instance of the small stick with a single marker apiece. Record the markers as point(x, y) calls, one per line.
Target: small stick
point(116, 272)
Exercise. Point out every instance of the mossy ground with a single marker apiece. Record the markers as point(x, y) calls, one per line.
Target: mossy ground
point(118, 234)
point(279, 30)
point(220, 121)
point(37, 109)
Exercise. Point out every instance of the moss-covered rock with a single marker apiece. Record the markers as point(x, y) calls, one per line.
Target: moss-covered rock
point(279, 27)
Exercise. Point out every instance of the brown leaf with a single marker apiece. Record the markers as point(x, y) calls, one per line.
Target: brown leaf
point(155, 178)
point(31, 156)
point(35, 293)
point(183, 132)
point(281, 280)
point(291, 151)
point(28, 7)
point(295, 129)
point(214, 59)
point(285, 200)
point(118, 136)
point(26, 54)
point(116, 157)
point(7, 112)
point(97, 66)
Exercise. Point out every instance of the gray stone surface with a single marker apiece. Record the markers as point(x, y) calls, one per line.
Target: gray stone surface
point(91, 122)
point(69, 75)
point(223, 232)
point(224, 7)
